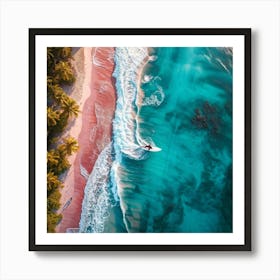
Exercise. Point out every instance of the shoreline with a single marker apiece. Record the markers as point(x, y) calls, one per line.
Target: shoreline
point(92, 129)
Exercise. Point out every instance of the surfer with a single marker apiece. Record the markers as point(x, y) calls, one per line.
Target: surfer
point(149, 147)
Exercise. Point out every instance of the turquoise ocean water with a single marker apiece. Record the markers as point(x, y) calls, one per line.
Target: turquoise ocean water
point(182, 107)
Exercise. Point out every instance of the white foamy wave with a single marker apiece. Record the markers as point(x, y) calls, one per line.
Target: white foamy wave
point(146, 79)
point(125, 125)
point(116, 182)
point(97, 200)
point(155, 99)
point(158, 96)
point(153, 58)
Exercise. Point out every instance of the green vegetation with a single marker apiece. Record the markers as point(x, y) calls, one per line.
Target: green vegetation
point(61, 108)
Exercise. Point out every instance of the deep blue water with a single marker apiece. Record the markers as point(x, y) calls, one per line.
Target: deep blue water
point(185, 113)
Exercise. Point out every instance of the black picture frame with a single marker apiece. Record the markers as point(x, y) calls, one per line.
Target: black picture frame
point(246, 33)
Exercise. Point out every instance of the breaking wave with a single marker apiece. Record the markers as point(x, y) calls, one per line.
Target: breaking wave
point(127, 140)
point(98, 196)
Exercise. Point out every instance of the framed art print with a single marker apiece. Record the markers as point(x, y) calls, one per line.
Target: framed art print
point(140, 139)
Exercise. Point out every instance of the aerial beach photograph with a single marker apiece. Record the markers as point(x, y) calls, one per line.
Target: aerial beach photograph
point(139, 139)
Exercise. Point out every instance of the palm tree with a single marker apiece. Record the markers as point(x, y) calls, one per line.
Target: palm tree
point(65, 52)
point(69, 146)
point(53, 203)
point(50, 54)
point(57, 161)
point(52, 117)
point(53, 159)
point(49, 81)
point(52, 220)
point(70, 108)
point(64, 72)
point(51, 60)
point(53, 182)
point(57, 94)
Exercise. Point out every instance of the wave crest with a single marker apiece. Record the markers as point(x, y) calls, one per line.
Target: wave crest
point(127, 141)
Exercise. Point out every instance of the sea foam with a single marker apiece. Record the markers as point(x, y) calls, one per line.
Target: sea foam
point(127, 141)
point(97, 195)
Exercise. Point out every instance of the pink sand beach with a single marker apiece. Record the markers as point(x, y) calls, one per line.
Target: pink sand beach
point(94, 91)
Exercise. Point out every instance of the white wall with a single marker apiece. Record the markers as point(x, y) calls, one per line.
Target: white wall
point(16, 262)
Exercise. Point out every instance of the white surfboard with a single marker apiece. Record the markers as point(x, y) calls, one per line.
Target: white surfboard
point(154, 149)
